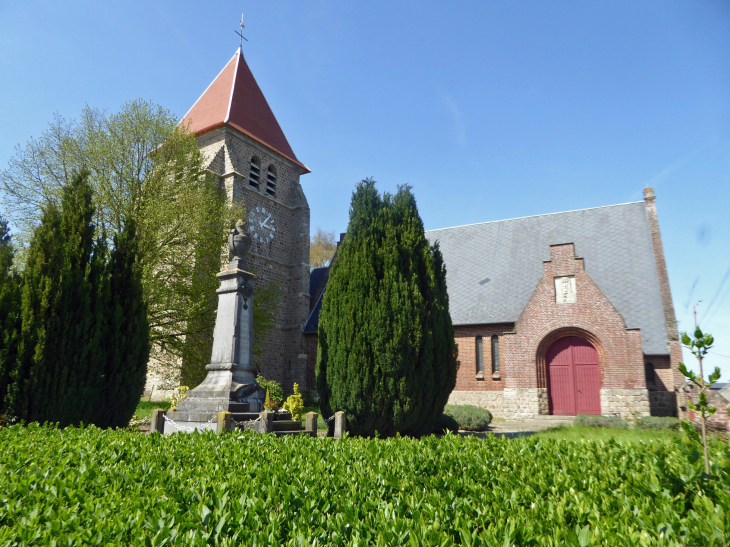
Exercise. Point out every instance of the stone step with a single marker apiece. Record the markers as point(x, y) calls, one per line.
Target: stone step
point(551, 418)
point(287, 425)
point(235, 408)
point(300, 432)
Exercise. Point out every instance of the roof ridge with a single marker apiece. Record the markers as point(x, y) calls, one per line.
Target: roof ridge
point(233, 86)
point(535, 216)
point(207, 88)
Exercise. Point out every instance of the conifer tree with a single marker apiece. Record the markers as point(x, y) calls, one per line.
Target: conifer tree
point(386, 352)
point(128, 345)
point(82, 348)
point(9, 309)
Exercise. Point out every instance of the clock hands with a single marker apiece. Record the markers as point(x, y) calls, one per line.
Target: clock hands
point(264, 223)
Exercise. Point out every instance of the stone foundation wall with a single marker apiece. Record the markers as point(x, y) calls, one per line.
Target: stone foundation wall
point(520, 403)
point(663, 403)
point(627, 403)
point(491, 400)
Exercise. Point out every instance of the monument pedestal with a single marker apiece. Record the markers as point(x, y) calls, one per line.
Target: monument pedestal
point(231, 381)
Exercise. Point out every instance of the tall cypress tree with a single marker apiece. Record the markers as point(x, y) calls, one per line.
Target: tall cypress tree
point(128, 343)
point(9, 309)
point(386, 345)
point(80, 324)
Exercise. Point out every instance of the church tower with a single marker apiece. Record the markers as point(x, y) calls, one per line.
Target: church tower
point(245, 146)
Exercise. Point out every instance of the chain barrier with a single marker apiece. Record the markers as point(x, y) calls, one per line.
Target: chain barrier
point(246, 424)
point(185, 427)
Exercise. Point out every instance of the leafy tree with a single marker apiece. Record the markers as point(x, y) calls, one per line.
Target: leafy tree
point(84, 340)
point(386, 352)
point(699, 344)
point(9, 308)
point(145, 168)
point(322, 248)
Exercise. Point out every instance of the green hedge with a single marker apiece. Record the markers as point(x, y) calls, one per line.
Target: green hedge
point(113, 487)
point(657, 422)
point(591, 420)
point(469, 418)
point(446, 423)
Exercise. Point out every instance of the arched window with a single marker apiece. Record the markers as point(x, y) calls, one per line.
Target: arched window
point(254, 173)
point(480, 356)
point(650, 377)
point(495, 355)
point(271, 181)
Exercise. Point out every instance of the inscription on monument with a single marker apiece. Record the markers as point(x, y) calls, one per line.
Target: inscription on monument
point(565, 290)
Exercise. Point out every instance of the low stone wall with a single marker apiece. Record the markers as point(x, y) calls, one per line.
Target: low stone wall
point(521, 403)
point(627, 403)
point(491, 400)
point(525, 403)
point(510, 403)
point(663, 403)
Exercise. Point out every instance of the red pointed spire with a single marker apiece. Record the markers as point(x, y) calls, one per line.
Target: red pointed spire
point(235, 99)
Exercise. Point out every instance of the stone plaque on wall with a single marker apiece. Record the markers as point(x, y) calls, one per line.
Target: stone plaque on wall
point(565, 290)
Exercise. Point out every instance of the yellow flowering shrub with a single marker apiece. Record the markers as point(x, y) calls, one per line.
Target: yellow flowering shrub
point(295, 404)
point(178, 397)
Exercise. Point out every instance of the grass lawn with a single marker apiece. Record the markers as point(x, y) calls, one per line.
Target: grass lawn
point(145, 408)
point(577, 433)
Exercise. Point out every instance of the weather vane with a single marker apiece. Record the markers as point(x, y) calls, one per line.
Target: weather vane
point(240, 42)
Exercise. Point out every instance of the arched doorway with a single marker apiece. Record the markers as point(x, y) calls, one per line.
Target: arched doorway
point(574, 378)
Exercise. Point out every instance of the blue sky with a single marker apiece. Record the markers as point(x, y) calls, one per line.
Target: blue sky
point(490, 110)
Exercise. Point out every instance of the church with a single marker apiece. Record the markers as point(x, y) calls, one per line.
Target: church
point(558, 314)
point(245, 147)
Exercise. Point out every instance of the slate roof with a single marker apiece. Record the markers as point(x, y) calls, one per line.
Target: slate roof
point(492, 268)
point(315, 279)
point(235, 99)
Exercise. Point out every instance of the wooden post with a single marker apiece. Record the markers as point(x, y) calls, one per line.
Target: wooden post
point(340, 425)
point(224, 422)
point(312, 423)
point(157, 421)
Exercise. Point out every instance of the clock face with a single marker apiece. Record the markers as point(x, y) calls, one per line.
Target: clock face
point(261, 224)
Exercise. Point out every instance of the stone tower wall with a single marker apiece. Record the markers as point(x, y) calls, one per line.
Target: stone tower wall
point(285, 259)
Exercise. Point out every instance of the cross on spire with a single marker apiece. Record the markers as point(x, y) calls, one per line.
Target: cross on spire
point(240, 42)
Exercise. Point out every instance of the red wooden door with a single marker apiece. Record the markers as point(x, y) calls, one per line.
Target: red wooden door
point(574, 380)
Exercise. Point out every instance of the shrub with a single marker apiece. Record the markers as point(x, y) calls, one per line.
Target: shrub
point(386, 353)
point(294, 404)
point(178, 397)
point(87, 486)
point(275, 392)
point(469, 418)
point(591, 420)
point(445, 423)
point(657, 422)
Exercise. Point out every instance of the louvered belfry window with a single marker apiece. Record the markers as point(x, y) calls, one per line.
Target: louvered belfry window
point(271, 181)
point(255, 173)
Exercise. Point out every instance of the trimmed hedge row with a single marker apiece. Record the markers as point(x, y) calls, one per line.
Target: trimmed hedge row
point(469, 418)
point(89, 486)
point(591, 420)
